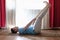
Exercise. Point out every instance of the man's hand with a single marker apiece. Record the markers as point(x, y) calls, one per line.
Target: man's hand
point(25, 28)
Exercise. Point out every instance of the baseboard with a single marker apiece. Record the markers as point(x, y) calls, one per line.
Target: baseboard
point(2, 28)
point(55, 28)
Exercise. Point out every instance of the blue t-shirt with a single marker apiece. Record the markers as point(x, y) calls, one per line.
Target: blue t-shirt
point(30, 30)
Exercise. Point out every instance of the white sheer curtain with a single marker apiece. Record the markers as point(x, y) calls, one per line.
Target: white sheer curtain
point(27, 10)
point(10, 13)
point(20, 12)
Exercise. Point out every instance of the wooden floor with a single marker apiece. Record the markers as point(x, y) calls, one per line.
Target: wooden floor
point(45, 35)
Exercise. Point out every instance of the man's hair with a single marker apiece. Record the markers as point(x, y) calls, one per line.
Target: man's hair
point(13, 31)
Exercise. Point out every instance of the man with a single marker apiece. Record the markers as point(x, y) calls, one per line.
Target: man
point(36, 27)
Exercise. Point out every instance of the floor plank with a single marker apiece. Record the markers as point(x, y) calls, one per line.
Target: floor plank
point(45, 35)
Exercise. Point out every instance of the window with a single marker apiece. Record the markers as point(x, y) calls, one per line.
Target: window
point(26, 10)
point(10, 4)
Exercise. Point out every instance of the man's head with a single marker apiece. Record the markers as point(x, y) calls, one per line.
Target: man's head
point(14, 30)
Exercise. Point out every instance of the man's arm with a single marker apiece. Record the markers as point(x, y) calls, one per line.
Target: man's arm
point(29, 23)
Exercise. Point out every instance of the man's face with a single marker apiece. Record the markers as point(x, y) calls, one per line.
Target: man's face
point(16, 29)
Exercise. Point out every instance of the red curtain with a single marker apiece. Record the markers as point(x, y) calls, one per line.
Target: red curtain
point(54, 13)
point(2, 13)
point(51, 11)
point(57, 14)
